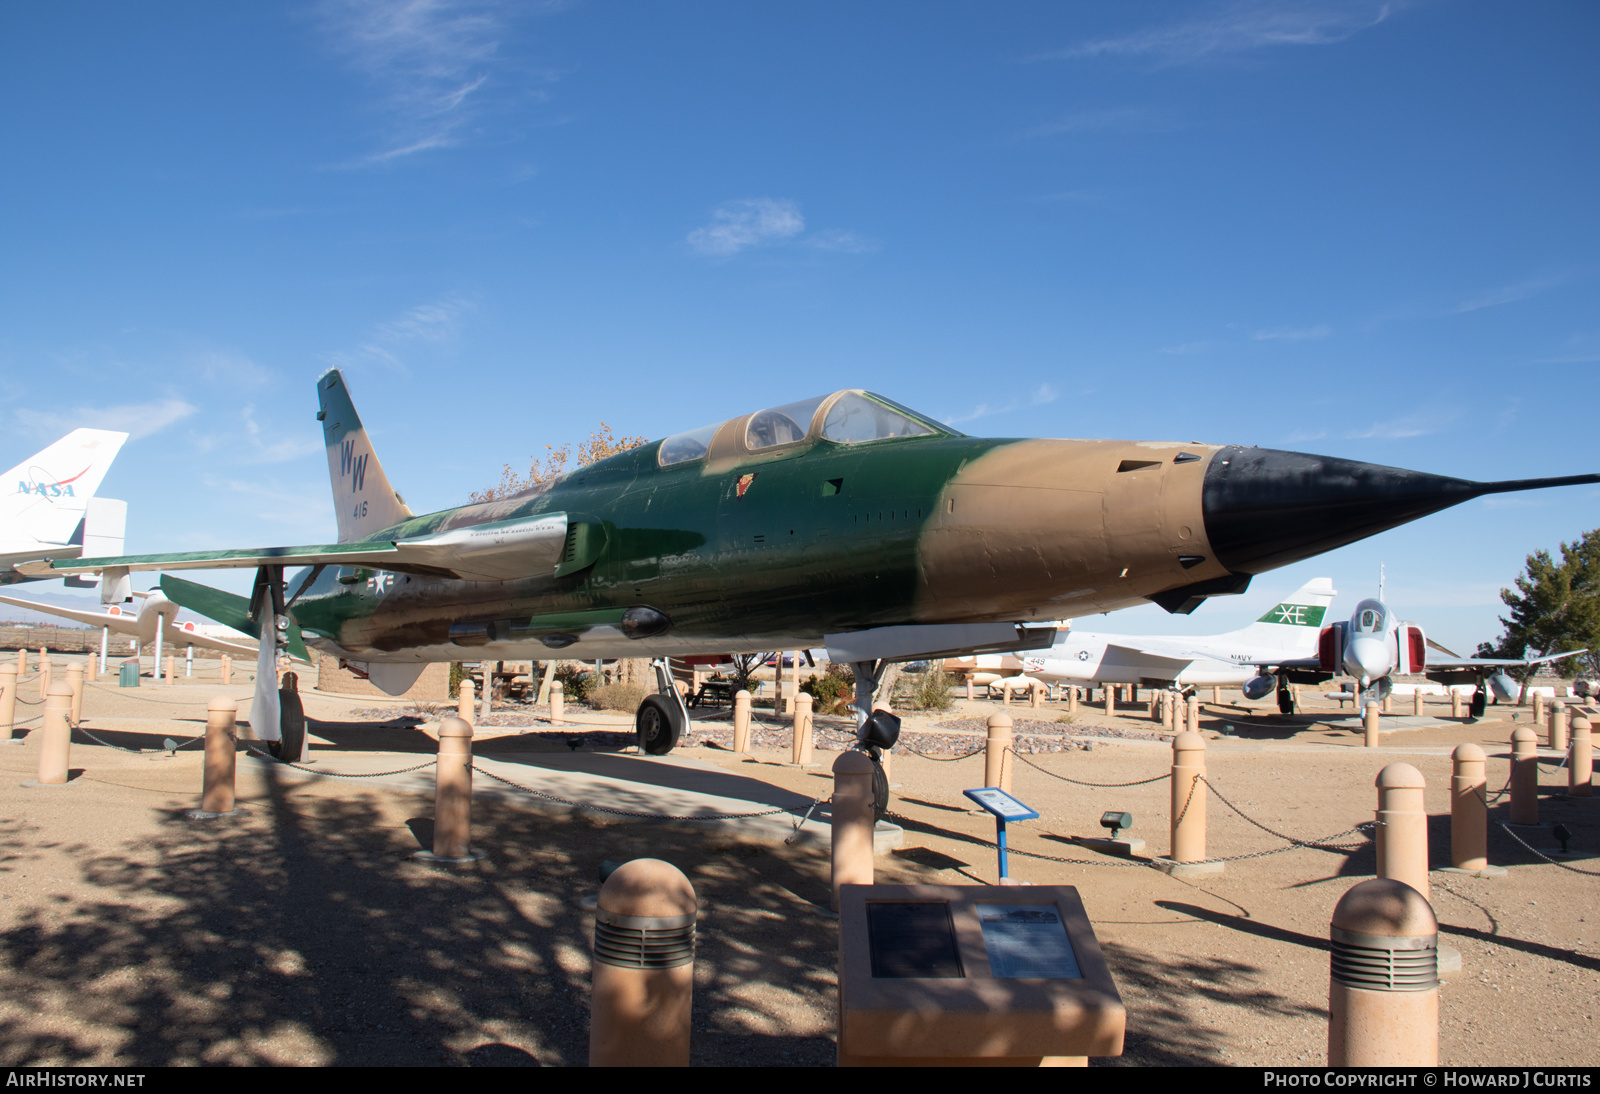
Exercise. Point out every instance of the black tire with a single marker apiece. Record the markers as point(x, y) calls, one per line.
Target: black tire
point(880, 791)
point(1480, 703)
point(292, 724)
point(1285, 701)
point(659, 724)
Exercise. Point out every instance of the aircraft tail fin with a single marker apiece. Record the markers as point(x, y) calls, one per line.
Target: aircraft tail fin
point(44, 498)
point(363, 500)
point(1293, 626)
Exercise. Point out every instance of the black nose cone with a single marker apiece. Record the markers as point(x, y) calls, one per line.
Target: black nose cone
point(1266, 508)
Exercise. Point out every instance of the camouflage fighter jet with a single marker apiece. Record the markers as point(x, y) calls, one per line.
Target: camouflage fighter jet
point(846, 521)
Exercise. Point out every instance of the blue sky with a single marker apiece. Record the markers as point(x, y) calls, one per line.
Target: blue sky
point(1362, 229)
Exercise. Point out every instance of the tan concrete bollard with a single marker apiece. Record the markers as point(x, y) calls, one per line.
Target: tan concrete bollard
point(22, 661)
point(1538, 708)
point(1383, 991)
point(217, 779)
point(1558, 726)
point(1005, 694)
point(1580, 765)
point(1216, 697)
point(1469, 812)
point(557, 703)
point(1402, 835)
point(996, 749)
point(800, 747)
point(1455, 703)
point(172, 663)
point(8, 697)
point(1036, 695)
point(55, 751)
point(643, 968)
point(1524, 776)
point(46, 675)
point(1191, 707)
point(227, 670)
point(75, 682)
point(741, 721)
point(1416, 701)
point(852, 821)
point(1111, 700)
point(970, 695)
point(93, 666)
point(1169, 717)
point(1072, 700)
point(1369, 725)
point(466, 704)
point(452, 795)
point(1388, 704)
point(1188, 816)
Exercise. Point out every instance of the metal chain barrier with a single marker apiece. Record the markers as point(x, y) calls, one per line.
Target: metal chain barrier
point(1547, 858)
point(1318, 844)
point(635, 812)
point(143, 699)
point(1080, 782)
point(943, 759)
point(338, 774)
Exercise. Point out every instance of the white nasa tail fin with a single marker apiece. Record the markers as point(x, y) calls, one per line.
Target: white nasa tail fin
point(1292, 627)
point(44, 498)
point(363, 500)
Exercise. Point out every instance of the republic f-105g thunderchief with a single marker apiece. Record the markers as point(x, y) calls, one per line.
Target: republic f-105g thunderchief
point(846, 521)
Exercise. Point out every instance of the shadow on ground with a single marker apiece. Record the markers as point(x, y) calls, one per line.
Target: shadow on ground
point(304, 933)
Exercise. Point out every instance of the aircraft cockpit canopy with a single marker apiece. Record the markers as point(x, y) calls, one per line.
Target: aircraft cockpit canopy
point(844, 417)
point(1372, 617)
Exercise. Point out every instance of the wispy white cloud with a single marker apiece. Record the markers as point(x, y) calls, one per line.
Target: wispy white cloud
point(1507, 294)
point(1397, 429)
point(263, 446)
point(433, 63)
point(751, 222)
point(436, 323)
point(1293, 334)
point(1237, 28)
point(737, 226)
point(135, 419)
point(1041, 395)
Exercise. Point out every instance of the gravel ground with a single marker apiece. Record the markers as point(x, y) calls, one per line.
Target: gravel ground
point(301, 932)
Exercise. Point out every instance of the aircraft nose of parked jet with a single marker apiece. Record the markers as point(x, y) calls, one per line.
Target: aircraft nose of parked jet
point(1266, 508)
point(1368, 659)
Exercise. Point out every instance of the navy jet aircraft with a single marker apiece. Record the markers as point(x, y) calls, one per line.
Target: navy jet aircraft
point(846, 521)
point(1374, 646)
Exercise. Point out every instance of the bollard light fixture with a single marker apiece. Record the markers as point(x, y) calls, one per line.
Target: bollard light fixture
point(1116, 821)
point(170, 745)
point(1562, 834)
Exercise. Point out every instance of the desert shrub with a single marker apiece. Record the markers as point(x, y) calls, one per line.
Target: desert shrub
point(457, 674)
point(931, 690)
point(623, 697)
point(576, 684)
point(833, 690)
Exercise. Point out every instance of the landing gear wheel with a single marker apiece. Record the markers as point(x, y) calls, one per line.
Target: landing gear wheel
point(1285, 701)
point(880, 791)
point(1480, 703)
point(292, 724)
point(659, 724)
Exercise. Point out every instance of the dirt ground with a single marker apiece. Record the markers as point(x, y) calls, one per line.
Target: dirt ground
point(301, 932)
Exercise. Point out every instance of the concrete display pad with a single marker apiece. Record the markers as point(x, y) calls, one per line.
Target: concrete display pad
point(1057, 1001)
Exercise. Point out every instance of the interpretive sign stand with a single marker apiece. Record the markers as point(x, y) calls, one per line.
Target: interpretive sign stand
point(1005, 808)
point(941, 975)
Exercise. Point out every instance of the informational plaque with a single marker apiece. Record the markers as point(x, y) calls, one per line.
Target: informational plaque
point(913, 940)
point(1027, 940)
point(1001, 804)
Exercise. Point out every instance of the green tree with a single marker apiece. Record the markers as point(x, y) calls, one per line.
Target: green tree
point(601, 443)
point(1556, 607)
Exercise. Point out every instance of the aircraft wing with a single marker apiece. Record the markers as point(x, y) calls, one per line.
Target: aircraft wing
point(1490, 662)
point(122, 624)
point(177, 636)
point(1285, 663)
point(1120, 654)
point(521, 547)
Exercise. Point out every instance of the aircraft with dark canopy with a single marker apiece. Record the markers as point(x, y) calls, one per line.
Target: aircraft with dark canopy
point(846, 521)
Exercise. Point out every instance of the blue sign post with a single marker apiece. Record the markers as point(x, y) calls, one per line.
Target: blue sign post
point(1004, 807)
